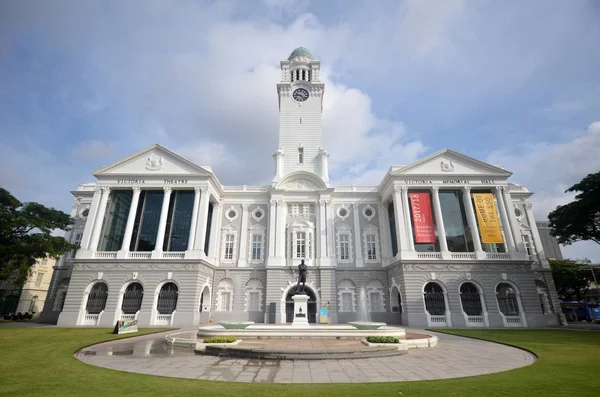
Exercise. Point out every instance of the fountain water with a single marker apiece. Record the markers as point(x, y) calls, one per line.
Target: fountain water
point(363, 310)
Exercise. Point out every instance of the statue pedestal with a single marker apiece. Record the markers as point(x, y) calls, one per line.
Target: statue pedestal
point(300, 311)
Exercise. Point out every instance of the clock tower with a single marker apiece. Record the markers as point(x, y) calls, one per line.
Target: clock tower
point(300, 118)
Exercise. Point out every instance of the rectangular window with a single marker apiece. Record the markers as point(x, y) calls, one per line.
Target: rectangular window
point(39, 279)
point(346, 305)
point(300, 155)
point(253, 301)
point(458, 234)
point(371, 247)
point(147, 218)
point(376, 304)
point(392, 219)
point(179, 220)
point(229, 240)
point(116, 220)
point(344, 246)
point(225, 301)
point(528, 245)
point(257, 241)
point(301, 245)
point(76, 241)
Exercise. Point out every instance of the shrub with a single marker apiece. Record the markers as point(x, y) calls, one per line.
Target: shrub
point(382, 339)
point(220, 339)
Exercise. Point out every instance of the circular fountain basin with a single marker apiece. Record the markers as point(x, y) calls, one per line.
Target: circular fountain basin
point(312, 331)
point(235, 324)
point(366, 325)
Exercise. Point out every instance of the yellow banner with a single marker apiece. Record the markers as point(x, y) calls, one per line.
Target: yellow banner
point(487, 217)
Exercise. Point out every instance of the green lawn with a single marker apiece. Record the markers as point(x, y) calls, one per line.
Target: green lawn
point(40, 362)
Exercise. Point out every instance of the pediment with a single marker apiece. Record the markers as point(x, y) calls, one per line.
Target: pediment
point(154, 160)
point(447, 163)
point(301, 181)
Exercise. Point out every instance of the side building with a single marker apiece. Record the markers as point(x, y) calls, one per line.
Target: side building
point(446, 241)
point(549, 242)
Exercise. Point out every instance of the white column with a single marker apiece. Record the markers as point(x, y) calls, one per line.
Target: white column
point(535, 233)
point(358, 259)
point(162, 223)
point(89, 225)
point(272, 228)
point(324, 164)
point(99, 219)
point(202, 220)
point(409, 231)
point(472, 220)
point(322, 230)
point(330, 232)
point(215, 232)
point(508, 235)
point(384, 226)
point(242, 262)
point(130, 223)
point(280, 243)
point(194, 223)
point(514, 225)
point(439, 220)
point(399, 215)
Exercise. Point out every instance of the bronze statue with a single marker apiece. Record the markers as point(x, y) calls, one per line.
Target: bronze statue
point(302, 270)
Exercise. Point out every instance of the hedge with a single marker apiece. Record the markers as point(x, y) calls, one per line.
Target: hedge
point(220, 339)
point(382, 339)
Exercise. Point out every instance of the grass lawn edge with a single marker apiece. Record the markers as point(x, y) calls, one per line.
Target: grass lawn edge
point(449, 332)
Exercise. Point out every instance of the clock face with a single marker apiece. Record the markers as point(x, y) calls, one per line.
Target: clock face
point(300, 95)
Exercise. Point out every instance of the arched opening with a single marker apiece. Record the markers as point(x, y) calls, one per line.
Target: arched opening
point(435, 301)
point(97, 299)
point(542, 292)
point(32, 308)
point(312, 305)
point(470, 300)
point(167, 299)
point(396, 300)
point(205, 300)
point(132, 301)
point(507, 299)
point(61, 294)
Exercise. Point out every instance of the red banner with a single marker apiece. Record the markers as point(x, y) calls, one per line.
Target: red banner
point(422, 219)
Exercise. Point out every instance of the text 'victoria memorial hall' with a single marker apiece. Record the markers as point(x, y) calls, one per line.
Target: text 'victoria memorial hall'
point(443, 242)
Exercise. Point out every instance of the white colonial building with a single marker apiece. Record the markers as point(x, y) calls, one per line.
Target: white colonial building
point(446, 241)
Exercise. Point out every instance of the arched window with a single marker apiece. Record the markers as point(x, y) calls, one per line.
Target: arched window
point(61, 294)
point(225, 295)
point(507, 299)
point(132, 298)
point(396, 300)
point(32, 304)
point(542, 291)
point(167, 299)
point(470, 300)
point(347, 296)
point(435, 301)
point(97, 298)
point(254, 289)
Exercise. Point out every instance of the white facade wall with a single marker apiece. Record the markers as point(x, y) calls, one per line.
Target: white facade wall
point(211, 276)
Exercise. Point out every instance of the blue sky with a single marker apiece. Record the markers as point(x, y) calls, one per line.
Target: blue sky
point(516, 83)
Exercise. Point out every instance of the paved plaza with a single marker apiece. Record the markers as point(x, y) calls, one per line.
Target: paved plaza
point(453, 357)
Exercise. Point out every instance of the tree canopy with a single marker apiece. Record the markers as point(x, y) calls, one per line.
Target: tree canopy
point(26, 235)
point(580, 219)
point(571, 279)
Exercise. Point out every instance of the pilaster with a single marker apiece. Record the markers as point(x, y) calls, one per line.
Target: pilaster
point(242, 262)
point(440, 223)
point(162, 223)
point(89, 225)
point(122, 253)
point(202, 220)
point(99, 221)
point(358, 258)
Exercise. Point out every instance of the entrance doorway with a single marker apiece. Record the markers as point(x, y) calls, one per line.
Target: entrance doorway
point(312, 305)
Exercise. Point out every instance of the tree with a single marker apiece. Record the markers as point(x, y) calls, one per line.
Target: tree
point(26, 235)
point(570, 279)
point(580, 219)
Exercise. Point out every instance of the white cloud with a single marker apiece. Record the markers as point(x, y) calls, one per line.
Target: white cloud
point(548, 169)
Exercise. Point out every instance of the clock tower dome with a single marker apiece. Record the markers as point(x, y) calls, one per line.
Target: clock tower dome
point(300, 118)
